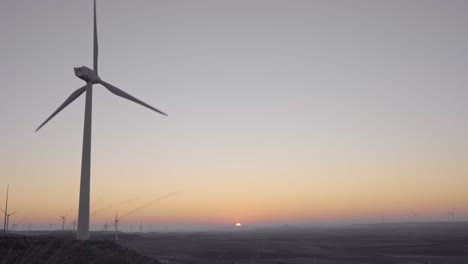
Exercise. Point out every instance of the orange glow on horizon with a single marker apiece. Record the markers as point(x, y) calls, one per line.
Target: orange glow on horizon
point(318, 193)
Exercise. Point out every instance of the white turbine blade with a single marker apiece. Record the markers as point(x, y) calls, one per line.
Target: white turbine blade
point(150, 203)
point(70, 99)
point(95, 48)
point(125, 95)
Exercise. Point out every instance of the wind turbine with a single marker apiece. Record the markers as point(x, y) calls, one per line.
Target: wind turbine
point(91, 77)
point(8, 218)
point(382, 218)
point(415, 215)
point(64, 219)
point(451, 215)
point(15, 225)
point(116, 226)
point(6, 211)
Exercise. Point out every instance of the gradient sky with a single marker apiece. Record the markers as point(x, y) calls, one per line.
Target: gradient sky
point(279, 111)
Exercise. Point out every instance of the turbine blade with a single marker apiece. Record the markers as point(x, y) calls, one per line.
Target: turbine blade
point(125, 95)
point(150, 203)
point(109, 206)
point(95, 49)
point(70, 99)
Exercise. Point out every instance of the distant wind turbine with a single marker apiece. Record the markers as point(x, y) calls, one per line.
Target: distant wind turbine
point(6, 211)
point(414, 214)
point(91, 77)
point(8, 218)
point(116, 226)
point(382, 218)
point(64, 219)
point(15, 224)
point(451, 215)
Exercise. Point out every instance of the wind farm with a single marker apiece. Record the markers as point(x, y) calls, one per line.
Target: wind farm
point(329, 132)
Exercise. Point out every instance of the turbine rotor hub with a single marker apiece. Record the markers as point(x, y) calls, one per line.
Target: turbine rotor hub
point(86, 74)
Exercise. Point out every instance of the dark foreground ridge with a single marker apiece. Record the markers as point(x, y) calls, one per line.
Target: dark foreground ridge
point(50, 249)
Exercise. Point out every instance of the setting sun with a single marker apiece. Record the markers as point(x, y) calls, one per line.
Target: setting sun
point(238, 224)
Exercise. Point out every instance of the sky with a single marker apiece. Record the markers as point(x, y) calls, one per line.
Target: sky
point(297, 112)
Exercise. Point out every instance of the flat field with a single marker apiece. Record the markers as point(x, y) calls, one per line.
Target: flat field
point(402, 243)
point(409, 243)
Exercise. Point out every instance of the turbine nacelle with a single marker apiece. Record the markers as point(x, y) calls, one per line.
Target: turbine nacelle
point(86, 74)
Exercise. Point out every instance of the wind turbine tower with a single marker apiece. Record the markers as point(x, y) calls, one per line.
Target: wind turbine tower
point(91, 77)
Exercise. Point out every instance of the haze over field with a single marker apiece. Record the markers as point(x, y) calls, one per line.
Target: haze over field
point(279, 112)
